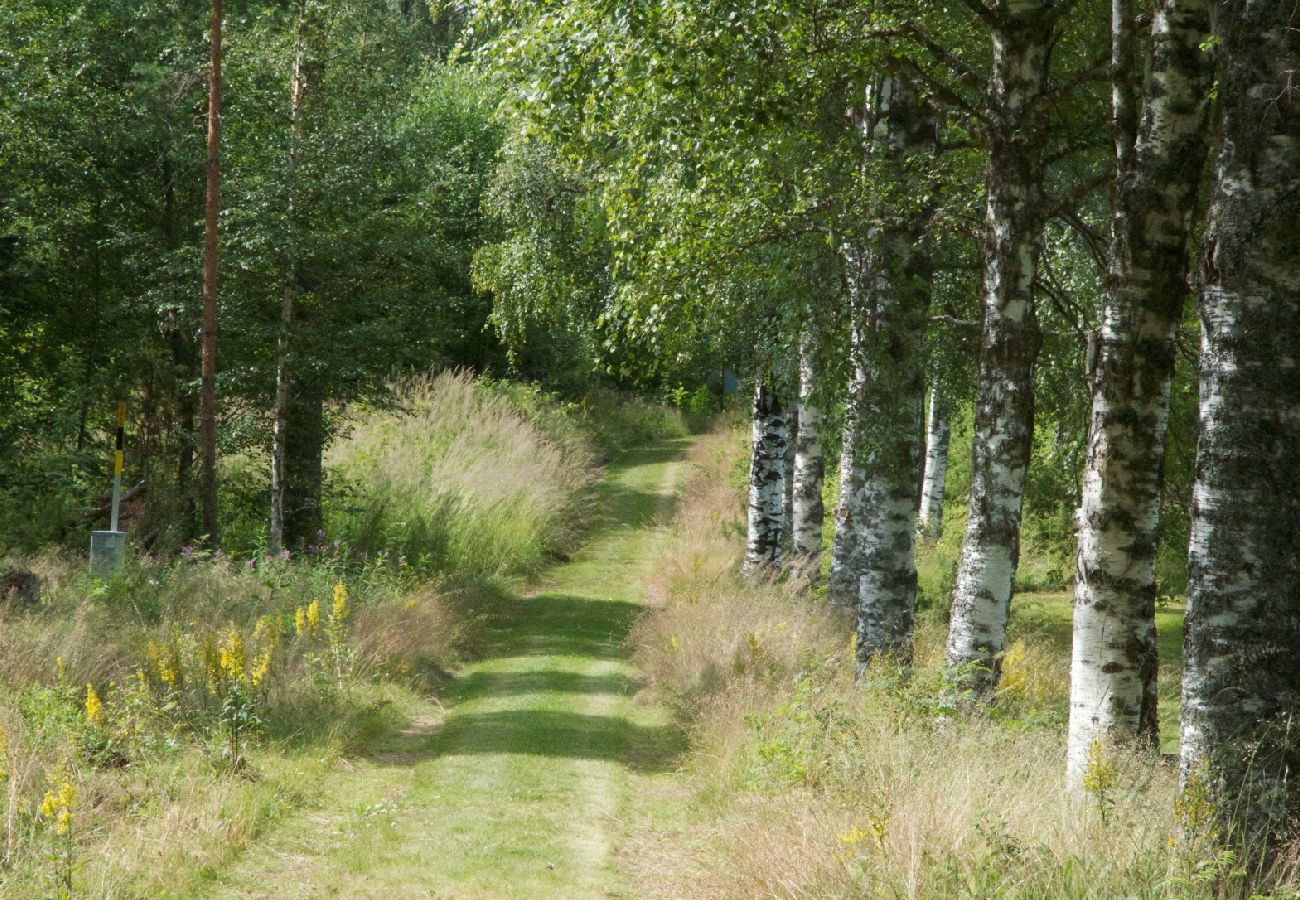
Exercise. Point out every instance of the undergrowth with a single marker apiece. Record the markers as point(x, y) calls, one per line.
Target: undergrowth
point(810, 784)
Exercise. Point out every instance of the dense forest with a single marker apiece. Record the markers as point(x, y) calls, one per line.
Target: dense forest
point(974, 323)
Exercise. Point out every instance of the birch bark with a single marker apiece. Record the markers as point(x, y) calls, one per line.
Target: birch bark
point(879, 491)
point(1004, 410)
point(938, 433)
point(1241, 681)
point(766, 480)
point(1158, 172)
point(809, 468)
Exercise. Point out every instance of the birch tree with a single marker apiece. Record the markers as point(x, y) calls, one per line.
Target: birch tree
point(1022, 37)
point(890, 277)
point(938, 433)
point(808, 510)
point(1158, 168)
point(766, 479)
point(1241, 676)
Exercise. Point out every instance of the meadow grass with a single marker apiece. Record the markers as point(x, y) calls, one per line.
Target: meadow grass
point(807, 783)
point(155, 724)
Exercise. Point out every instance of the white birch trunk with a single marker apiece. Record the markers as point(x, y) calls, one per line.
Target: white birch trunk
point(787, 495)
point(1004, 410)
point(808, 510)
point(1241, 681)
point(766, 481)
point(938, 434)
point(842, 582)
point(880, 493)
point(1158, 173)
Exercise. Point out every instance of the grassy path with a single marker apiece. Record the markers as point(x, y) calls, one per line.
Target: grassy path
point(518, 789)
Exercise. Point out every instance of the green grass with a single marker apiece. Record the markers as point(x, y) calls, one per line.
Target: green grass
point(1050, 615)
point(519, 788)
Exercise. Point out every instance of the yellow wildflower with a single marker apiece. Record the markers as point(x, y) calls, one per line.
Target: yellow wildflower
point(233, 655)
point(340, 610)
point(300, 621)
point(94, 707)
point(262, 665)
point(164, 663)
point(58, 803)
point(313, 615)
point(58, 667)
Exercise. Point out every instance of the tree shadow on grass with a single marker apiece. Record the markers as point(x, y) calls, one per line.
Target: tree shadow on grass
point(561, 735)
point(562, 625)
point(482, 684)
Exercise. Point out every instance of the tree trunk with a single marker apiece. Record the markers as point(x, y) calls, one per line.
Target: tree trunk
point(787, 496)
point(766, 480)
point(938, 433)
point(212, 208)
point(1004, 408)
point(1158, 173)
point(1241, 680)
point(809, 470)
point(880, 493)
point(885, 461)
point(289, 298)
point(843, 582)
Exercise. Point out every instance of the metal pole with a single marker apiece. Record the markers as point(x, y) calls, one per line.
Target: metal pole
point(119, 446)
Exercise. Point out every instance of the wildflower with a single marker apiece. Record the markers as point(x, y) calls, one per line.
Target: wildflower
point(412, 603)
point(285, 553)
point(675, 644)
point(232, 655)
point(252, 562)
point(163, 662)
point(94, 707)
point(58, 667)
point(300, 621)
point(58, 803)
point(187, 551)
point(313, 615)
point(260, 667)
point(340, 610)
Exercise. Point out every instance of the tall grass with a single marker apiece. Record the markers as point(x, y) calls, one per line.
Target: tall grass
point(809, 784)
point(457, 479)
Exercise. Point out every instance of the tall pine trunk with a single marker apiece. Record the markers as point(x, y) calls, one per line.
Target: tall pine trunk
point(212, 209)
point(1241, 679)
point(1158, 173)
point(809, 470)
point(1004, 406)
point(766, 480)
point(938, 434)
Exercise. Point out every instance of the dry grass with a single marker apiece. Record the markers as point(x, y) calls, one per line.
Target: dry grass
point(809, 784)
point(457, 479)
